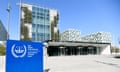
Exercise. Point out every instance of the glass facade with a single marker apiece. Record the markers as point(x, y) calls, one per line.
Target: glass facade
point(37, 23)
point(40, 24)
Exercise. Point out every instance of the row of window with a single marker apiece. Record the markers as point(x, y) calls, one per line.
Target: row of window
point(41, 14)
point(41, 17)
point(39, 21)
point(40, 28)
point(40, 36)
point(40, 9)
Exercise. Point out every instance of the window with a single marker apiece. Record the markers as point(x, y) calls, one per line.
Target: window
point(33, 28)
point(41, 17)
point(38, 17)
point(41, 14)
point(41, 10)
point(33, 13)
point(47, 18)
point(47, 28)
point(37, 9)
point(33, 16)
point(48, 15)
point(33, 8)
point(46, 11)
point(47, 36)
point(33, 36)
point(38, 13)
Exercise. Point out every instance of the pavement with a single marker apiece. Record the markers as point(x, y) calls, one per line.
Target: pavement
point(85, 63)
point(89, 63)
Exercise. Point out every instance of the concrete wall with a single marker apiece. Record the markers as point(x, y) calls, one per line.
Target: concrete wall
point(106, 50)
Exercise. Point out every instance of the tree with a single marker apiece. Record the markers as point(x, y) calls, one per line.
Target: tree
point(26, 20)
point(2, 50)
point(54, 36)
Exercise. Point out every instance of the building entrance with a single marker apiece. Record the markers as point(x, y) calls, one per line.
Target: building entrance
point(71, 50)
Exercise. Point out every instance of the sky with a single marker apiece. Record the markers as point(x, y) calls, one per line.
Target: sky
point(88, 16)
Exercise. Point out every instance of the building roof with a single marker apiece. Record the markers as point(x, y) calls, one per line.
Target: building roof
point(78, 44)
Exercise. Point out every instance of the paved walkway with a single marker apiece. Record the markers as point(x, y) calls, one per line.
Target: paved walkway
point(83, 64)
point(78, 64)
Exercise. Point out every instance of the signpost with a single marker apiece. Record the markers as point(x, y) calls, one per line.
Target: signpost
point(24, 56)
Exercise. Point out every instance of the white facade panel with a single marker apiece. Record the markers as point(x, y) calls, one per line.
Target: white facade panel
point(70, 35)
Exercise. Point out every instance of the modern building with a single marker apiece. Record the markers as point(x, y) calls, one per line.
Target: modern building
point(38, 23)
point(77, 48)
point(72, 43)
point(41, 24)
point(3, 32)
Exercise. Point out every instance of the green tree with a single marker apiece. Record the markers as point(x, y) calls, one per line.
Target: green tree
point(27, 19)
point(27, 15)
point(2, 50)
point(54, 36)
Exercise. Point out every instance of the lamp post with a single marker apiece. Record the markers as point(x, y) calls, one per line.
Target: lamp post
point(8, 10)
point(20, 16)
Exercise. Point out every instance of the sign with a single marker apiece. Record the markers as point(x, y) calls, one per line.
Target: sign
point(24, 56)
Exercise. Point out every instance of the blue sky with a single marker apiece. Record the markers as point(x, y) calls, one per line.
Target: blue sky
point(89, 16)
